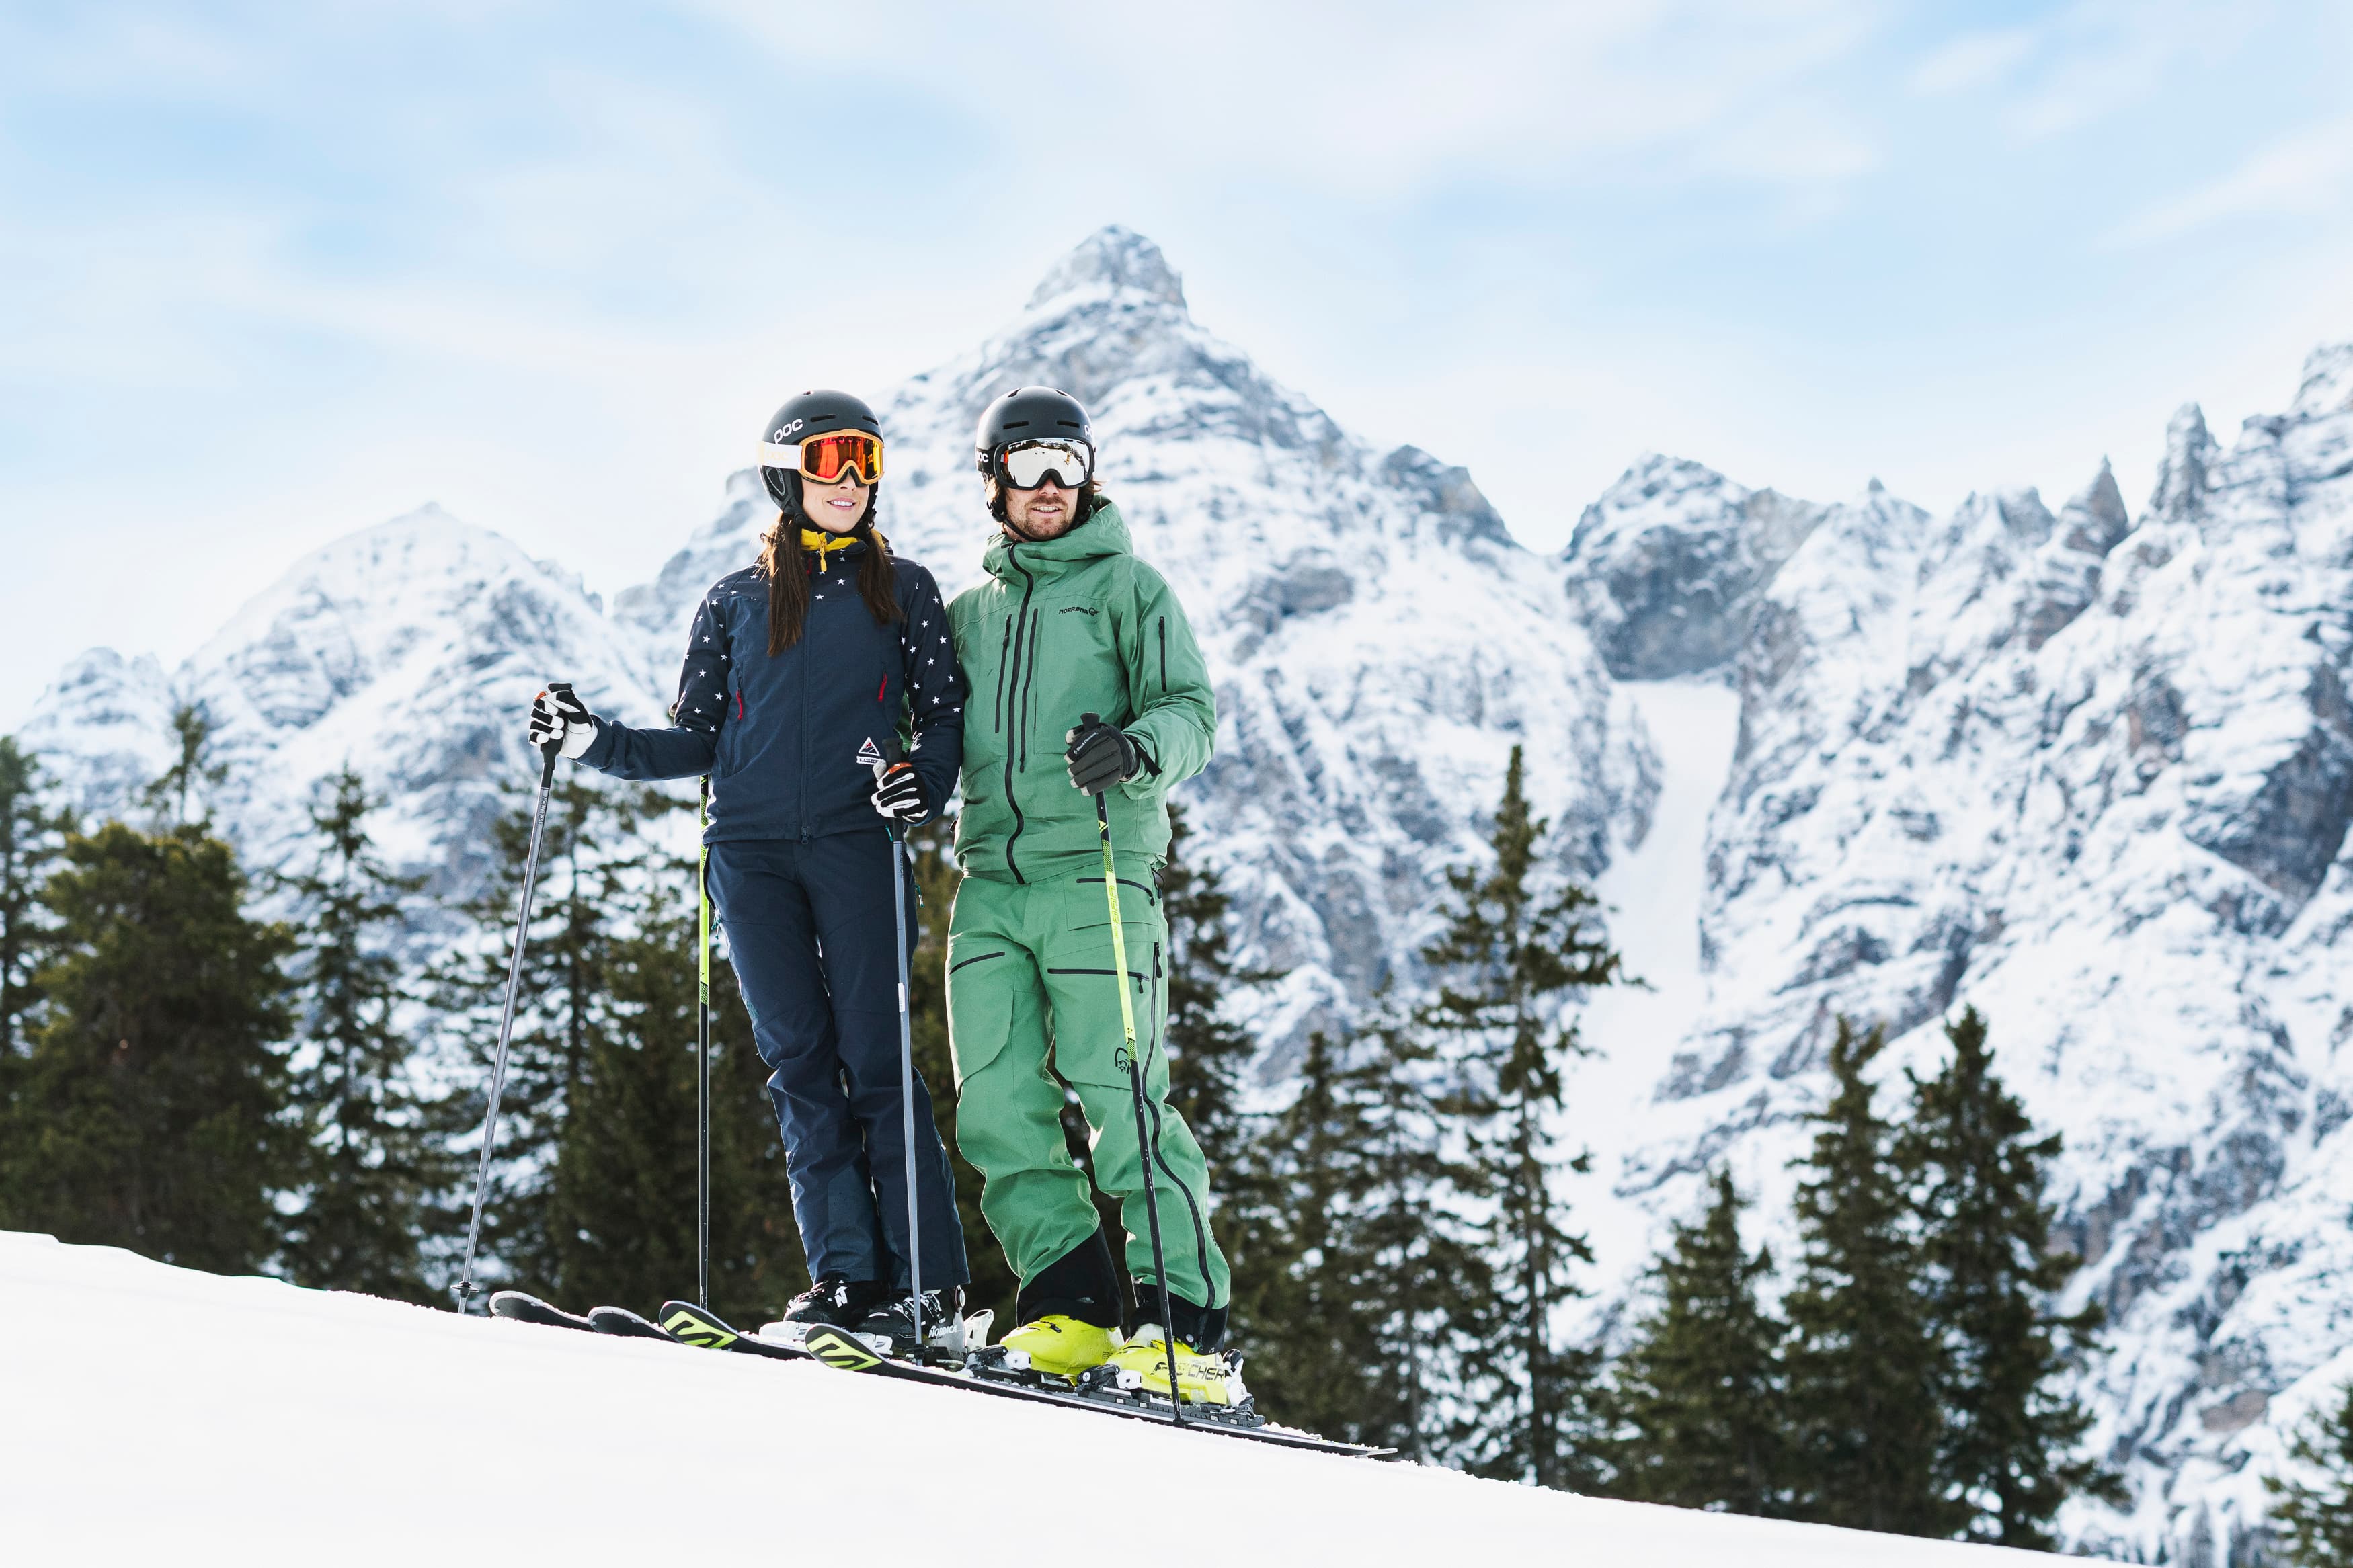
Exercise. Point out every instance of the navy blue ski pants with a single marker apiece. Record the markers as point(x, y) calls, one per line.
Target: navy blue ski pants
point(810, 928)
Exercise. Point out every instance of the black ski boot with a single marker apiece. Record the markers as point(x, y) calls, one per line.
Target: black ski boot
point(890, 1329)
point(844, 1303)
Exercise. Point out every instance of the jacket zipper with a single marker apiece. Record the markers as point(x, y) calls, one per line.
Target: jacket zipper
point(802, 658)
point(1164, 655)
point(1028, 585)
point(1003, 652)
point(1030, 684)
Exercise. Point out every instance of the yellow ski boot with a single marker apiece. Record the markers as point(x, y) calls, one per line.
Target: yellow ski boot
point(1059, 1346)
point(1200, 1379)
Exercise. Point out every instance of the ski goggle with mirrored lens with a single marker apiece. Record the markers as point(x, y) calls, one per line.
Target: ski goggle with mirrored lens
point(828, 459)
point(1026, 465)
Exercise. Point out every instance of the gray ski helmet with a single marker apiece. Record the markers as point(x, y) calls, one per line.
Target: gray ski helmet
point(1029, 414)
point(811, 414)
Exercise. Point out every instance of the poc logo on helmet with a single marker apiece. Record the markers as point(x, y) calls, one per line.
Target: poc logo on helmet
point(784, 431)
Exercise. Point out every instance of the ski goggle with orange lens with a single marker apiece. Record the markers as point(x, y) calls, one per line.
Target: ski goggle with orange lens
point(1026, 465)
point(828, 459)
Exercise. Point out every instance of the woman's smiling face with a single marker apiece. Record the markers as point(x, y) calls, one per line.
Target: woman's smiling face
point(835, 508)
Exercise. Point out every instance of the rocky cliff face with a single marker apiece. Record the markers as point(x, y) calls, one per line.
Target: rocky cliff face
point(2093, 775)
point(2089, 770)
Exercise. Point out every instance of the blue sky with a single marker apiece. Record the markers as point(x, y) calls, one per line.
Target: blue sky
point(269, 273)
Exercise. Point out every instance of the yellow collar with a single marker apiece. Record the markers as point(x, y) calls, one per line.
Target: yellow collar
point(823, 544)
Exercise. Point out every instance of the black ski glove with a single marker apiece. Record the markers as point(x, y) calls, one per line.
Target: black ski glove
point(899, 793)
point(1100, 755)
point(559, 717)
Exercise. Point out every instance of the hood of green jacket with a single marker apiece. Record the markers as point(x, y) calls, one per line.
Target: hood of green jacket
point(1104, 533)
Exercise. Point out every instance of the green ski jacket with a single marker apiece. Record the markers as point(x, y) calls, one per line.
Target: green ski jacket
point(1064, 627)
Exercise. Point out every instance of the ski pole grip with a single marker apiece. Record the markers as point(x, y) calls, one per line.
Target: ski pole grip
point(554, 749)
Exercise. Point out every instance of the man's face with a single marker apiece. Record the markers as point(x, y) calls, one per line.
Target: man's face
point(1046, 513)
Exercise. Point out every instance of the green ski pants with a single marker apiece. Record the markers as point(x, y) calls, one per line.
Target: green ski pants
point(1032, 992)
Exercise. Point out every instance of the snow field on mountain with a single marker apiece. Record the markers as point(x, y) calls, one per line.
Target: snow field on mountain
point(160, 1415)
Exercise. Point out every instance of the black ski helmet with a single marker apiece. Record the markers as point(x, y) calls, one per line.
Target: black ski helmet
point(811, 414)
point(1031, 414)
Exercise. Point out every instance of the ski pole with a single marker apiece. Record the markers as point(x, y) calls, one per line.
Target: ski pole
point(702, 1064)
point(465, 1290)
point(1135, 1083)
point(906, 1073)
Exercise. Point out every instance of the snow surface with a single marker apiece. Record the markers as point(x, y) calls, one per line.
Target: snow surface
point(156, 1413)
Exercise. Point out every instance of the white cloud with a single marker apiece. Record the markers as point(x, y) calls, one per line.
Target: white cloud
point(2099, 56)
point(2308, 174)
point(1400, 98)
point(1974, 60)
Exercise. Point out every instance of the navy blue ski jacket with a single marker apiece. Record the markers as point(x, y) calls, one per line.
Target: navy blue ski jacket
point(788, 740)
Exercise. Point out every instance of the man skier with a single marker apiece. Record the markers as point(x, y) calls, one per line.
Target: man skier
point(1071, 626)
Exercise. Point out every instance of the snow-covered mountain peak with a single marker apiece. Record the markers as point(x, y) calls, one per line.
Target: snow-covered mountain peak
point(1112, 260)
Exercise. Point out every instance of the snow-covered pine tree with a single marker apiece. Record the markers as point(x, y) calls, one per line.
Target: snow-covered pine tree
point(1864, 1373)
point(379, 1171)
point(1697, 1404)
point(151, 1112)
point(32, 835)
point(1514, 956)
point(2312, 1525)
point(1978, 1177)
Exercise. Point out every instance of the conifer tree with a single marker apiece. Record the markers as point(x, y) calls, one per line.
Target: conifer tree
point(181, 797)
point(564, 972)
point(1864, 1373)
point(380, 1170)
point(1295, 1287)
point(2312, 1526)
point(1206, 1049)
point(1978, 1177)
point(1355, 1271)
point(1698, 1402)
point(32, 834)
point(151, 1112)
point(622, 1188)
point(1512, 959)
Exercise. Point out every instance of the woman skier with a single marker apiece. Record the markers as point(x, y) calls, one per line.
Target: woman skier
point(800, 671)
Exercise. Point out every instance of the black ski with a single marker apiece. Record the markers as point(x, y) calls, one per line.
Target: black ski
point(625, 1324)
point(685, 1321)
point(843, 1351)
point(524, 1308)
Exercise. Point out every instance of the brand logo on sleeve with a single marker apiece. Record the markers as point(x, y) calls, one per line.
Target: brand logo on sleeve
point(868, 755)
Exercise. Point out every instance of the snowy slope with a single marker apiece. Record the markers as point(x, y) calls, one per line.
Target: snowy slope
point(157, 1414)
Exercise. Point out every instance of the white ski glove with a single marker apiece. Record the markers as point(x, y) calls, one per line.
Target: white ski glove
point(562, 718)
point(898, 793)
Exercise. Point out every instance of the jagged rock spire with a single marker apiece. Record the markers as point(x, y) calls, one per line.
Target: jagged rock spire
point(2182, 478)
point(2095, 519)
